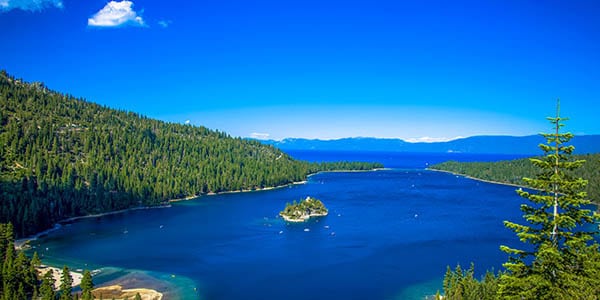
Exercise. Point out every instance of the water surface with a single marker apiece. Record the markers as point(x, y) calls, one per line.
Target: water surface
point(389, 235)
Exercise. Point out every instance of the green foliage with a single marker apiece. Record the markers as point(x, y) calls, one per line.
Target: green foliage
point(63, 157)
point(347, 166)
point(462, 285)
point(513, 171)
point(47, 287)
point(65, 284)
point(562, 260)
point(304, 209)
point(17, 278)
point(87, 285)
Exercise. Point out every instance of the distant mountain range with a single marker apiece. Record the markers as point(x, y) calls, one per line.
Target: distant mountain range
point(476, 144)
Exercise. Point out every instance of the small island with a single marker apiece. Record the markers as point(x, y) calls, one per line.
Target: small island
point(303, 210)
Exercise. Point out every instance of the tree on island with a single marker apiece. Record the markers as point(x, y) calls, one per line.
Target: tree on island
point(303, 210)
point(562, 260)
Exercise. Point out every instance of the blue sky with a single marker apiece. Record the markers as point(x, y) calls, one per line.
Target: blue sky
point(319, 69)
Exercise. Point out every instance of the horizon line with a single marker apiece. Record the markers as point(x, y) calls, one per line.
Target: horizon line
point(425, 139)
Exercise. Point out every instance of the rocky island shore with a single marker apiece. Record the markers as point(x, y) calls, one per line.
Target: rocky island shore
point(303, 210)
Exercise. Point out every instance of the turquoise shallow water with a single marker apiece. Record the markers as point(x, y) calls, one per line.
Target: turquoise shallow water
point(389, 235)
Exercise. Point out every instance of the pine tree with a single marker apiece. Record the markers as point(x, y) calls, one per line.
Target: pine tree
point(9, 276)
point(65, 284)
point(561, 261)
point(47, 286)
point(34, 263)
point(87, 285)
point(25, 275)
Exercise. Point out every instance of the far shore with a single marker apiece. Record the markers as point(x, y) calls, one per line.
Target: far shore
point(354, 171)
point(251, 190)
point(270, 187)
point(479, 179)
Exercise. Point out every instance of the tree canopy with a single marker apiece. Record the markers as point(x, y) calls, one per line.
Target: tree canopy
point(513, 171)
point(63, 157)
point(559, 257)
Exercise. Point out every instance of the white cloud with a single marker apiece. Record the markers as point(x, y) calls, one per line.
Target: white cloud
point(30, 5)
point(116, 14)
point(427, 139)
point(164, 23)
point(259, 136)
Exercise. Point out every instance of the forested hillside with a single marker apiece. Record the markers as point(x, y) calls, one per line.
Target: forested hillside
point(63, 157)
point(513, 171)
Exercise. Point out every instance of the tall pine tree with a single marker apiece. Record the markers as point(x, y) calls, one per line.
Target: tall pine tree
point(86, 286)
point(47, 286)
point(65, 284)
point(561, 261)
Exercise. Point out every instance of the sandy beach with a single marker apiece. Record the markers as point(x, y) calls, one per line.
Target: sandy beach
point(57, 274)
point(114, 291)
point(117, 292)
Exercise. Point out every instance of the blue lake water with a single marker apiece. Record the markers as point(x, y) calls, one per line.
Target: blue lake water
point(389, 235)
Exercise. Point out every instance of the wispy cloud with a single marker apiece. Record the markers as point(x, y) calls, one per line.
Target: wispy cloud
point(259, 136)
point(116, 14)
point(427, 139)
point(29, 5)
point(164, 23)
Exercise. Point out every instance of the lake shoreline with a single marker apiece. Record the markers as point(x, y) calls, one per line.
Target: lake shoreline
point(215, 246)
point(302, 219)
point(22, 242)
point(479, 179)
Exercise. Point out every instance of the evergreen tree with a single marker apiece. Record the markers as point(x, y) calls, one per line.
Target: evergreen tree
point(9, 276)
point(561, 261)
point(47, 286)
point(34, 263)
point(461, 284)
point(21, 294)
point(35, 260)
point(26, 276)
point(87, 285)
point(66, 284)
point(513, 171)
point(63, 157)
